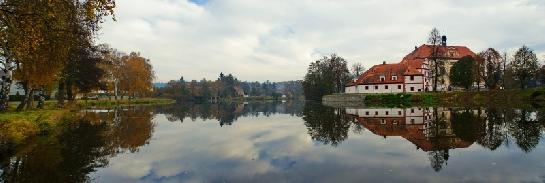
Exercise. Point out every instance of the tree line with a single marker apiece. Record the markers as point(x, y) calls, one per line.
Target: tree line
point(227, 87)
point(491, 68)
point(50, 45)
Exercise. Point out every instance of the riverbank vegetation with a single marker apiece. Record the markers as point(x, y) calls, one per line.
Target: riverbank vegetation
point(533, 97)
point(228, 88)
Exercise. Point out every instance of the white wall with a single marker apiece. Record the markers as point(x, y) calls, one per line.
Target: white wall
point(381, 88)
point(417, 79)
point(415, 86)
point(412, 115)
point(350, 89)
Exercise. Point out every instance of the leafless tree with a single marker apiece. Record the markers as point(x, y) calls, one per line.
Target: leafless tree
point(434, 40)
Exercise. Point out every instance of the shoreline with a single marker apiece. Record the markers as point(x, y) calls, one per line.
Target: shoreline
point(534, 97)
point(16, 127)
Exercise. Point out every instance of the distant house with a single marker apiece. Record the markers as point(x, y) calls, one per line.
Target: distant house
point(412, 74)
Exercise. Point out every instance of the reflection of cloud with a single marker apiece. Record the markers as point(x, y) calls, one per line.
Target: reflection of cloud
point(278, 149)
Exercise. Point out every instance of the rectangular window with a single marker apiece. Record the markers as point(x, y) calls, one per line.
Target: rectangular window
point(398, 112)
point(376, 87)
point(376, 112)
point(382, 121)
point(412, 121)
point(366, 87)
point(387, 113)
point(385, 86)
point(412, 78)
point(412, 110)
point(382, 79)
point(367, 113)
point(399, 87)
point(412, 88)
point(394, 78)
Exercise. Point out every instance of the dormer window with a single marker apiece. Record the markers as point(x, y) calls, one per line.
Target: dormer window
point(394, 78)
point(382, 78)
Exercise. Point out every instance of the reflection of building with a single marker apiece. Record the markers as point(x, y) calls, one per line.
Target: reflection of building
point(417, 125)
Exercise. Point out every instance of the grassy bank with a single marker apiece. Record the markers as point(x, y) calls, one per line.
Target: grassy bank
point(124, 102)
point(15, 126)
point(510, 98)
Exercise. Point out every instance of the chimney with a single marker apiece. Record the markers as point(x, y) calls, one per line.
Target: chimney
point(383, 62)
point(444, 40)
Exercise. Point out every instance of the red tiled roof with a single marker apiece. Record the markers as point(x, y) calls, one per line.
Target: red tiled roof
point(448, 52)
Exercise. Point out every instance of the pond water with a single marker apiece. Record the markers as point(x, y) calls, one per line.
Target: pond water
point(285, 142)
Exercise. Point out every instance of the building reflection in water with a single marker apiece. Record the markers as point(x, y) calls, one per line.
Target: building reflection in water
point(420, 126)
point(436, 130)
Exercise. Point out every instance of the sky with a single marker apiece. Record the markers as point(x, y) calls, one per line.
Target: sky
point(259, 40)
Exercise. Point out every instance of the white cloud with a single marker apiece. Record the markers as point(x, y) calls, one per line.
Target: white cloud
point(276, 40)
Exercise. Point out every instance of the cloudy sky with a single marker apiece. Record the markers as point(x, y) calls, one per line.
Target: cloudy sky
point(275, 40)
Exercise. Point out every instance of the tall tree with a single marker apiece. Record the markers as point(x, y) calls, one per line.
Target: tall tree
point(524, 65)
point(491, 69)
point(357, 69)
point(461, 70)
point(36, 37)
point(325, 76)
point(137, 76)
point(434, 39)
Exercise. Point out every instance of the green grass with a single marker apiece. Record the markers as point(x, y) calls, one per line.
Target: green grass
point(17, 126)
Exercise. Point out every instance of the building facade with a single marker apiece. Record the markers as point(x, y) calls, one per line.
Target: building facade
point(413, 73)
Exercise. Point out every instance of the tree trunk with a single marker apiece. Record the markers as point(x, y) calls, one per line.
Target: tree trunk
point(4, 95)
point(24, 100)
point(30, 101)
point(61, 93)
point(69, 92)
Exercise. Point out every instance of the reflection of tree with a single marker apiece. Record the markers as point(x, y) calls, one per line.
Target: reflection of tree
point(524, 130)
point(326, 124)
point(228, 112)
point(69, 157)
point(495, 133)
point(133, 129)
point(79, 147)
point(438, 158)
point(468, 126)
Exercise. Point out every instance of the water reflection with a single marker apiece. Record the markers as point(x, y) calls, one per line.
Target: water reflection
point(86, 142)
point(227, 113)
point(283, 142)
point(437, 130)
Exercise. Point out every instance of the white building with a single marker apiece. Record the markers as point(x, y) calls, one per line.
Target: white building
point(412, 74)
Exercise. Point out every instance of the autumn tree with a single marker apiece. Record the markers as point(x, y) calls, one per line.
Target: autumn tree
point(524, 65)
point(491, 68)
point(36, 38)
point(137, 75)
